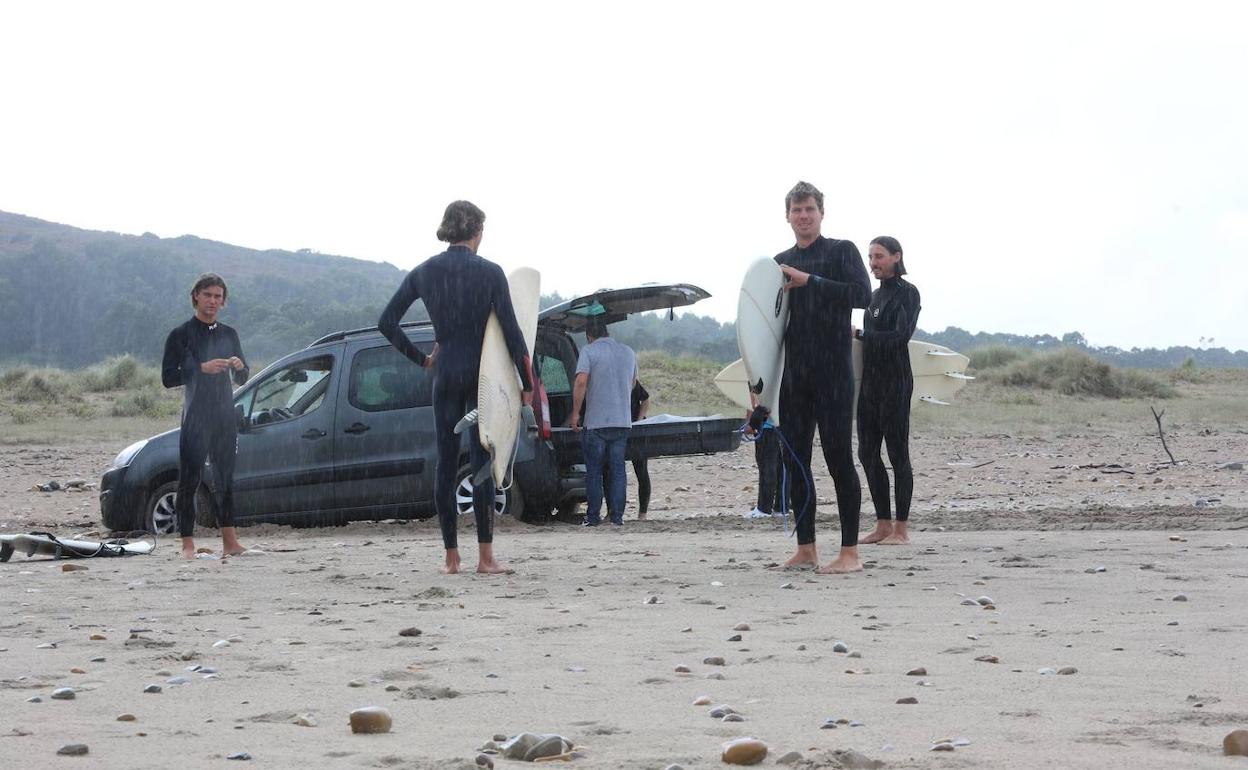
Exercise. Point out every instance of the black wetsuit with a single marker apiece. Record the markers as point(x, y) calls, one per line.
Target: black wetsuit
point(884, 396)
point(209, 423)
point(459, 289)
point(818, 386)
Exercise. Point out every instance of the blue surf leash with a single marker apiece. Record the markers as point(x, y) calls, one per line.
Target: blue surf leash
point(784, 474)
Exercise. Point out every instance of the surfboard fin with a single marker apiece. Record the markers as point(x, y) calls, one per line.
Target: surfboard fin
point(933, 400)
point(757, 389)
point(466, 422)
point(484, 471)
point(959, 376)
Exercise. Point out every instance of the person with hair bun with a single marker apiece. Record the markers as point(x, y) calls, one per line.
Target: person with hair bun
point(460, 290)
point(887, 384)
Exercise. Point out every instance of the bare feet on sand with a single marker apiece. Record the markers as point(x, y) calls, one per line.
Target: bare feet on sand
point(188, 548)
point(846, 561)
point(883, 528)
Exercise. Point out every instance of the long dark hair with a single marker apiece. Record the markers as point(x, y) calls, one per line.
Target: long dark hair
point(892, 246)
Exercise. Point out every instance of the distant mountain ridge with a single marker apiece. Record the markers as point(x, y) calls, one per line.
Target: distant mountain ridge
point(71, 297)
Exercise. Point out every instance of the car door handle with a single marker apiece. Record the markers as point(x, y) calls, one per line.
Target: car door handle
point(357, 427)
point(314, 433)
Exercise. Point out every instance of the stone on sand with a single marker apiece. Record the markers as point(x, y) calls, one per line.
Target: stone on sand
point(840, 647)
point(744, 751)
point(1067, 670)
point(371, 719)
point(126, 718)
point(920, 671)
point(988, 659)
point(908, 701)
point(486, 761)
point(682, 669)
point(413, 631)
point(713, 660)
point(1235, 744)
point(64, 693)
point(1179, 598)
point(152, 689)
point(73, 750)
point(702, 700)
point(741, 627)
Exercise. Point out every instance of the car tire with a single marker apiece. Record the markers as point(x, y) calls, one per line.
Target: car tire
point(159, 516)
point(506, 502)
point(569, 513)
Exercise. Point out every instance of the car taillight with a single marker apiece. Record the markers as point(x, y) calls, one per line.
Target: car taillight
point(545, 407)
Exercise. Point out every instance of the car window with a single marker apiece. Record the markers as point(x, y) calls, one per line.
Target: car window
point(554, 375)
point(291, 391)
point(383, 379)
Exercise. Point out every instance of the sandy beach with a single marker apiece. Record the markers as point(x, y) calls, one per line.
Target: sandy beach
point(586, 638)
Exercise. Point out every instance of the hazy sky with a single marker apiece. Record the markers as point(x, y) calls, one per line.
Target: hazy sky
point(1071, 166)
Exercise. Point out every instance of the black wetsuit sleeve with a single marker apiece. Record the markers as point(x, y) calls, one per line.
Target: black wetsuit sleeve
point(178, 365)
point(388, 324)
point(855, 291)
point(240, 375)
point(511, 328)
point(907, 320)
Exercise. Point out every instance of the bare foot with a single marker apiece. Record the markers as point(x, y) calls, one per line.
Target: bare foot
point(641, 516)
point(486, 565)
point(188, 548)
point(846, 561)
point(230, 546)
point(900, 535)
point(883, 529)
point(494, 568)
point(806, 556)
point(452, 561)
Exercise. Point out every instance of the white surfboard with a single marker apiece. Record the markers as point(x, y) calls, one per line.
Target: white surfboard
point(939, 373)
point(762, 315)
point(498, 388)
point(45, 545)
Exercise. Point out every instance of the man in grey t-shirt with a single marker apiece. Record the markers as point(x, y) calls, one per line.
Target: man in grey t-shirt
point(605, 374)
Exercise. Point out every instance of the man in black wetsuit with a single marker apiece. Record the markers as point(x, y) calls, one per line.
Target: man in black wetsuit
point(459, 289)
point(887, 384)
point(825, 280)
point(201, 355)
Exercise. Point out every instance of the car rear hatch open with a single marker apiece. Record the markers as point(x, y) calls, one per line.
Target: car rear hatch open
point(613, 305)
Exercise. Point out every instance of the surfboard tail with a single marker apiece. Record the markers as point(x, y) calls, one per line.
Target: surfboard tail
point(959, 376)
point(933, 400)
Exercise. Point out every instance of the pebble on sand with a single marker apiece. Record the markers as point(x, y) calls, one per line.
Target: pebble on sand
point(920, 671)
point(355, 683)
point(988, 659)
point(792, 757)
point(241, 756)
point(76, 670)
point(486, 761)
point(942, 747)
point(413, 631)
point(744, 751)
point(72, 568)
point(735, 638)
point(64, 693)
point(127, 718)
point(733, 718)
point(840, 647)
point(1067, 670)
point(854, 654)
point(1179, 598)
point(1235, 744)
point(371, 719)
point(152, 689)
point(713, 660)
point(682, 669)
point(908, 701)
point(719, 712)
point(741, 627)
point(702, 700)
point(984, 600)
point(73, 750)
point(217, 645)
point(98, 637)
point(34, 699)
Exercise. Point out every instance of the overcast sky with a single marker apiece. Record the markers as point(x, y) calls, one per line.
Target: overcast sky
point(1072, 166)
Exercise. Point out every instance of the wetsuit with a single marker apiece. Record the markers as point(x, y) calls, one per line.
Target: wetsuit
point(884, 396)
point(818, 386)
point(767, 457)
point(459, 289)
point(209, 423)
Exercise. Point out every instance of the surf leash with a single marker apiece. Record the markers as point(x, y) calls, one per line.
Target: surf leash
point(752, 431)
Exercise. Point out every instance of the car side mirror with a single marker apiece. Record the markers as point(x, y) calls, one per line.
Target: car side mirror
point(241, 418)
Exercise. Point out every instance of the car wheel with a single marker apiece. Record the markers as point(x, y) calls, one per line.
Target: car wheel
point(159, 516)
point(568, 512)
point(505, 501)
